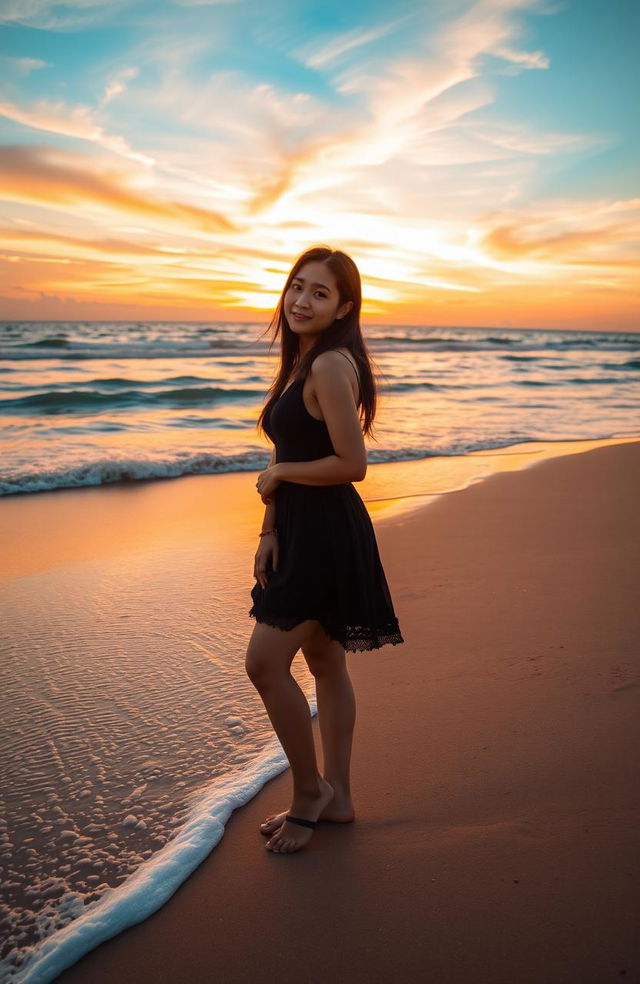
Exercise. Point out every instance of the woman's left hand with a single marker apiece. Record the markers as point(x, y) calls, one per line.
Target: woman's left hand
point(268, 482)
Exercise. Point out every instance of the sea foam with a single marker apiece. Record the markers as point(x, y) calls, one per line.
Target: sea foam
point(155, 881)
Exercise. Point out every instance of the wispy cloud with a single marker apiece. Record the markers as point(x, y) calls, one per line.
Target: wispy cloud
point(20, 67)
point(52, 15)
point(315, 56)
point(603, 234)
point(30, 243)
point(77, 121)
point(523, 59)
point(117, 84)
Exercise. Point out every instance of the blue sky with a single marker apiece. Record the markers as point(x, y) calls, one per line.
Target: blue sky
point(475, 156)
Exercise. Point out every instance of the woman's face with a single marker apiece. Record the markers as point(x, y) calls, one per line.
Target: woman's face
point(312, 302)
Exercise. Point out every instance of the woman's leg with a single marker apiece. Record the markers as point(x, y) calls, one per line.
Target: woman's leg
point(336, 716)
point(269, 657)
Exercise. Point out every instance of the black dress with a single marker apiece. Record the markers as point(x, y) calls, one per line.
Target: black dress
point(328, 564)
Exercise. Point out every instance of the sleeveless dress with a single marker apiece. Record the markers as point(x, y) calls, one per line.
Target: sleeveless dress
point(328, 565)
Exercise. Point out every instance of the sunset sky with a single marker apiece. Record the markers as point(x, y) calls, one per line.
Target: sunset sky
point(168, 159)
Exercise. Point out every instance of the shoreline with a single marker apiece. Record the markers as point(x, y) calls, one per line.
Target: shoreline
point(112, 517)
point(546, 448)
point(468, 841)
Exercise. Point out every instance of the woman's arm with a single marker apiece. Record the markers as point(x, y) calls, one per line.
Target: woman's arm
point(269, 521)
point(335, 396)
point(267, 552)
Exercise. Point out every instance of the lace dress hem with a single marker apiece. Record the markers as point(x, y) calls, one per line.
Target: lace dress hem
point(352, 638)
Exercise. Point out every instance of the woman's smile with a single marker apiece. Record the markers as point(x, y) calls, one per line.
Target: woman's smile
point(312, 295)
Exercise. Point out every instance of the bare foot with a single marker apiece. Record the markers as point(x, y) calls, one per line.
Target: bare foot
point(338, 810)
point(292, 837)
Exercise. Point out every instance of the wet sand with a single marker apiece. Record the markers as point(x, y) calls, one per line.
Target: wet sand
point(494, 768)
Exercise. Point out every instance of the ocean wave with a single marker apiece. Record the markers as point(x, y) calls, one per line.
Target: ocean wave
point(122, 381)
point(144, 394)
point(78, 401)
point(103, 471)
point(468, 338)
point(537, 341)
point(629, 364)
point(520, 358)
point(419, 385)
point(64, 349)
point(571, 381)
point(537, 382)
point(426, 345)
point(106, 471)
point(58, 341)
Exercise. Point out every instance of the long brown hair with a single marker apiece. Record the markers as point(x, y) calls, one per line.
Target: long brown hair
point(344, 332)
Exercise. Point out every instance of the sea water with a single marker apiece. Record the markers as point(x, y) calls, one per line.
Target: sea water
point(130, 731)
point(92, 403)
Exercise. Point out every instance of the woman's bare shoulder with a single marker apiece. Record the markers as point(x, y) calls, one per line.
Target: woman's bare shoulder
point(332, 359)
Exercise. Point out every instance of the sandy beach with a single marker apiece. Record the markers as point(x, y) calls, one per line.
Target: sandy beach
point(494, 768)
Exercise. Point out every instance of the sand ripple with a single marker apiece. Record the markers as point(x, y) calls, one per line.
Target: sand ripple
point(124, 695)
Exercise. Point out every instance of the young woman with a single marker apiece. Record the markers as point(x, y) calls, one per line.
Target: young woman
point(320, 585)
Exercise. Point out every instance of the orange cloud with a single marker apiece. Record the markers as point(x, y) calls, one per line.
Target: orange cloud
point(599, 234)
point(41, 176)
point(512, 242)
point(39, 243)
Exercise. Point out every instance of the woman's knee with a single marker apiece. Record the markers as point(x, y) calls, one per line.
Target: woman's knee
point(324, 661)
point(271, 651)
point(265, 665)
point(259, 669)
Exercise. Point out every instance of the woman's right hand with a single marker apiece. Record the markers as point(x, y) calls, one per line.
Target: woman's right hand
point(266, 557)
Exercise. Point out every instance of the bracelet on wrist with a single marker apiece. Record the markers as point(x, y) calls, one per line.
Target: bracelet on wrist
point(266, 532)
